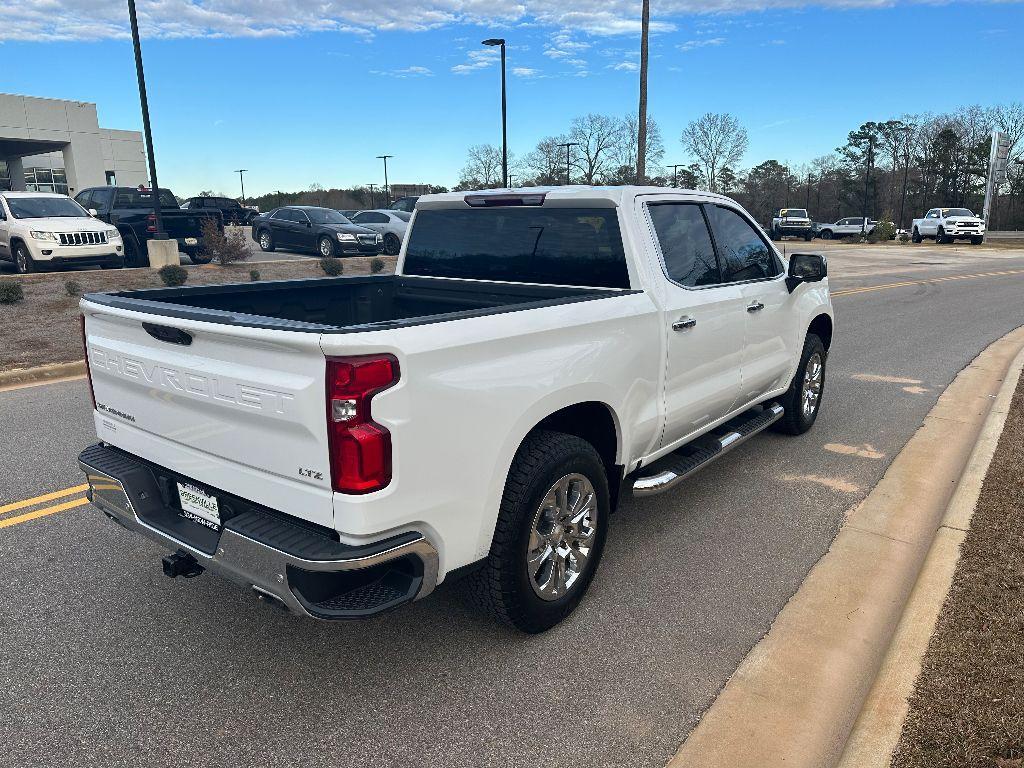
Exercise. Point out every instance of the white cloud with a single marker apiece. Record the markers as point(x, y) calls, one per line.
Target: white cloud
point(413, 71)
point(625, 66)
point(478, 58)
point(690, 45)
point(529, 72)
point(55, 20)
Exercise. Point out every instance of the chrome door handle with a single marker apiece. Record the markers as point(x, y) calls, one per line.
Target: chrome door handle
point(683, 323)
point(757, 306)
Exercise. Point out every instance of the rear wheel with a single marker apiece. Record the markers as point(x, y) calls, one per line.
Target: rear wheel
point(23, 261)
point(392, 245)
point(550, 533)
point(916, 236)
point(802, 400)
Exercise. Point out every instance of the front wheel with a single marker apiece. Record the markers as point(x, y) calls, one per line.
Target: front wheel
point(550, 533)
point(199, 257)
point(266, 241)
point(802, 400)
point(23, 261)
point(826, 234)
point(940, 237)
point(326, 247)
point(808, 237)
point(977, 240)
point(916, 237)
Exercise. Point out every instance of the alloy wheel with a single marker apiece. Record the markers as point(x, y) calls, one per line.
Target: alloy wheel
point(562, 536)
point(814, 374)
point(326, 249)
point(264, 240)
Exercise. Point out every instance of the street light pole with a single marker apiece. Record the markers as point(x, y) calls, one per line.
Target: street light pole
point(504, 111)
point(675, 173)
point(387, 189)
point(807, 201)
point(147, 131)
point(241, 180)
point(568, 145)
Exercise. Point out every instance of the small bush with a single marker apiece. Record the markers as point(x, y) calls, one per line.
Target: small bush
point(73, 287)
point(904, 237)
point(224, 248)
point(254, 275)
point(10, 292)
point(376, 265)
point(331, 266)
point(884, 230)
point(173, 274)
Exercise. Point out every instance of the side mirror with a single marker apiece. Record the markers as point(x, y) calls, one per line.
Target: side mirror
point(93, 212)
point(806, 268)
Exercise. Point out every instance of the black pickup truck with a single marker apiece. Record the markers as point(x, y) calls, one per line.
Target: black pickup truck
point(232, 211)
point(130, 209)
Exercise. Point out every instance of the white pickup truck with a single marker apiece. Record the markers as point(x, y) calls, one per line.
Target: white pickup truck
point(792, 222)
point(851, 226)
point(342, 445)
point(948, 224)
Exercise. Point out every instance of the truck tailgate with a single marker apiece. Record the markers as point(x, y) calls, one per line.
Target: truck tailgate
point(238, 409)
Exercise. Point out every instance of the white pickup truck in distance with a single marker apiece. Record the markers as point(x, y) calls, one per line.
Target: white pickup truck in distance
point(342, 445)
point(851, 226)
point(948, 224)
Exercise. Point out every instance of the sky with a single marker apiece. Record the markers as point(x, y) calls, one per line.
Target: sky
point(311, 91)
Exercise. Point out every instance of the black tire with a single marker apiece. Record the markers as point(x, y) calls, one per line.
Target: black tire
point(916, 236)
point(132, 258)
point(392, 244)
point(266, 240)
point(23, 261)
point(808, 237)
point(826, 234)
point(795, 421)
point(940, 237)
point(504, 585)
point(199, 257)
point(977, 240)
point(326, 247)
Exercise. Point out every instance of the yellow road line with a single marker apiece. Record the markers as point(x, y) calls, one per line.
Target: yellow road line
point(9, 521)
point(40, 499)
point(866, 289)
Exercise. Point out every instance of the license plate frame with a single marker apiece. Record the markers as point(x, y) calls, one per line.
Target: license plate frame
point(199, 506)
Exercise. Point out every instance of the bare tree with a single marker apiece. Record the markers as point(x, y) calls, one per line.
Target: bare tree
point(482, 169)
point(626, 151)
point(717, 141)
point(546, 163)
point(598, 137)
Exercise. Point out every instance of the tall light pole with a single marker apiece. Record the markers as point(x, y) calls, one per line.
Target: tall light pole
point(641, 128)
point(387, 189)
point(500, 41)
point(568, 145)
point(675, 173)
point(157, 215)
point(241, 179)
point(807, 200)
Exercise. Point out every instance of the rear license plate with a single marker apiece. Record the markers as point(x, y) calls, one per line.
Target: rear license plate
point(191, 241)
point(199, 506)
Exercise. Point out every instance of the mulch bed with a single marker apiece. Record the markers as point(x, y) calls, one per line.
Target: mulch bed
point(967, 709)
point(44, 327)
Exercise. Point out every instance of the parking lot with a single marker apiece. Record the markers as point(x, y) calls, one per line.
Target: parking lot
point(108, 662)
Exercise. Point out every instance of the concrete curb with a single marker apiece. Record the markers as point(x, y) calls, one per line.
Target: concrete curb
point(877, 731)
point(26, 377)
point(795, 698)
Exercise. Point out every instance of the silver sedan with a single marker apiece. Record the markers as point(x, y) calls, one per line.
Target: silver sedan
point(391, 224)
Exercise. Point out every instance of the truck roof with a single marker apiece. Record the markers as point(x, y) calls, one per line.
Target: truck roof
point(562, 196)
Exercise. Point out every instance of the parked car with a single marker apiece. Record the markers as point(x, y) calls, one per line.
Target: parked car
point(948, 224)
point(321, 230)
point(407, 204)
point(392, 226)
point(232, 211)
point(130, 209)
point(344, 445)
point(792, 222)
point(851, 226)
point(40, 230)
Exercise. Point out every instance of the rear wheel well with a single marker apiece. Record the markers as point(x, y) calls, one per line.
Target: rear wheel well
point(821, 326)
point(593, 422)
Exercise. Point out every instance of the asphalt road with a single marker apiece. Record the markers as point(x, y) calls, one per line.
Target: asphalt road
point(106, 662)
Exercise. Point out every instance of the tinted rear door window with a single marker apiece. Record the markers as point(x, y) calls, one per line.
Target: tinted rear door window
point(744, 253)
point(560, 246)
point(685, 243)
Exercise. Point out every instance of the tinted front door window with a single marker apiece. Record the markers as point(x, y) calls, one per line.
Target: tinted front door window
point(744, 254)
point(685, 243)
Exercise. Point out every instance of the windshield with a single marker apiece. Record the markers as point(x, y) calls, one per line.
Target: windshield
point(958, 212)
point(143, 198)
point(45, 208)
point(325, 216)
point(557, 246)
point(795, 213)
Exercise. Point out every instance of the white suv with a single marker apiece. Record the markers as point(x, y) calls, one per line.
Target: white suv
point(43, 229)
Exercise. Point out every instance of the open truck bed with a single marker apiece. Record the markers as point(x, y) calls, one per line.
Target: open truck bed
point(345, 304)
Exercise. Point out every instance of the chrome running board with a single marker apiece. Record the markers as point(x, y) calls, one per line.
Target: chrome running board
point(669, 471)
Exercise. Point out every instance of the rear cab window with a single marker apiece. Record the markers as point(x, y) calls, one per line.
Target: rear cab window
point(547, 245)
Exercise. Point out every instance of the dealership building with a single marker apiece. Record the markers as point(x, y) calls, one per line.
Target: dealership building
point(49, 145)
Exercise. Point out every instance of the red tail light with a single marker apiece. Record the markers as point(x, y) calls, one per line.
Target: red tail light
point(88, 370)
point(151, 223)
point(360, 449)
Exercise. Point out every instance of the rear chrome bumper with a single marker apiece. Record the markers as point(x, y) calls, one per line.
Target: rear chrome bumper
point(310, 574)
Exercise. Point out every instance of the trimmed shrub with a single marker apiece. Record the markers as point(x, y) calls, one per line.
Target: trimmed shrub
point(10, 292)
point(332, 266)
point(173, 275)
point(73, 287)
point(254, 275)
point(376, 265)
